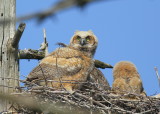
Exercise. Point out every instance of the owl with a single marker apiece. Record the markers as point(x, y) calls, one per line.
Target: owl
point(126, 79)
point(67, 67)
point(97, 78)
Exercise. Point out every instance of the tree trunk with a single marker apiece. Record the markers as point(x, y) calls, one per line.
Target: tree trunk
point(8, 55)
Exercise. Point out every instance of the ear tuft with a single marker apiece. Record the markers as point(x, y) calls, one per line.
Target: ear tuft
point(76, 31)
point(90, 31)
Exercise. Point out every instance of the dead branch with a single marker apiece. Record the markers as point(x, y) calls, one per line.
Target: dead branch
point(59, 6)
point(157, 74)
point(44, 45)
point(34, 105)
point(62, 5)
point(31, 54)
point(36, 54)
point(98, 103)
point(18, 35)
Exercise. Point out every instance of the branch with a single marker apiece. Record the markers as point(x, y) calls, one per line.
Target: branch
point(36, 106)
point(98, 103)
point(44, 45)
point(36, 54)
point(156, 70)
point(18, 35)
point(59, 6)
point(31, 54)
point(62, 5)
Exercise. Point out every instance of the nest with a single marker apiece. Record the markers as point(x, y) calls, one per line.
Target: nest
point(90, 99)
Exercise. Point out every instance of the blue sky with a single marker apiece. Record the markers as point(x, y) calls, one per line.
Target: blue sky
point(126, 29)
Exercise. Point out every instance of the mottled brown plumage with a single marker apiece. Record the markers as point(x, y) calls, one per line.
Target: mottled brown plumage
point(70, 64)
point(126, 78)
point(97, 78)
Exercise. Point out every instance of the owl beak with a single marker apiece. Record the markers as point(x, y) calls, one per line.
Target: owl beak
point(83, 42)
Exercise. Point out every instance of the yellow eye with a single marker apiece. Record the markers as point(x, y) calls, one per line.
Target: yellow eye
point(78, 38)
point(88, 38)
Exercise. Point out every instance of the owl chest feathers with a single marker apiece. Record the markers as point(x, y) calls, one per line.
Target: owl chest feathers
point(64, 62)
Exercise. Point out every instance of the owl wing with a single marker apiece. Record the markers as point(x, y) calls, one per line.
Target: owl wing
point(97, 77)
point(120, 86)
point(59, 63)
point(136, 85)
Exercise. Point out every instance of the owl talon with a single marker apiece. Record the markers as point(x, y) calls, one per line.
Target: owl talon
point(69, 90)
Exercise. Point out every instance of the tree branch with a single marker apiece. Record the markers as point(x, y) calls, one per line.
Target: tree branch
point(44, 45)
point(31, 54)
point(158, 77)
point(36, 54)
point(61, 5)
point(18, 35)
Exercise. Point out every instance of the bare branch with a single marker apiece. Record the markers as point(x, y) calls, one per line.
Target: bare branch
point(44, 45)
point(18, 35)
point(35, 105)
point(98, 103)
point(36, 54)
point(62, 5)
point(157, 74)
point(31, 54)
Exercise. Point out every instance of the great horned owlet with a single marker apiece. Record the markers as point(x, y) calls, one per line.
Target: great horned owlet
point(67, 67)
point(98, 79)
point(126, 79)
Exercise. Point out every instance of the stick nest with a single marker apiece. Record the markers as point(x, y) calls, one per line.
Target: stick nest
point(90, 99)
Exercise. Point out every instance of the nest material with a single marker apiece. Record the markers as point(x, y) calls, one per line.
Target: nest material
point(92, 100)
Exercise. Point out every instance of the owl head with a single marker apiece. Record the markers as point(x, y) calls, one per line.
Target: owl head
point(125, 69)
point(84, 41)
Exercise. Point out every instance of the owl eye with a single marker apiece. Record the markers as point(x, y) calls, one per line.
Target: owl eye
point(88, 38)
point(78, 38)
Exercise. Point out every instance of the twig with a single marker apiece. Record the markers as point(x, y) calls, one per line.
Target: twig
point(44, 45)
point(157, 74)
point(101, 100)
point(18, 35)
point(98, 103)
point(147, 112)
